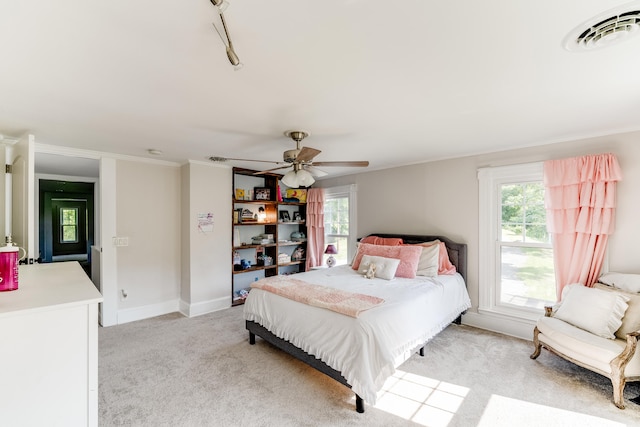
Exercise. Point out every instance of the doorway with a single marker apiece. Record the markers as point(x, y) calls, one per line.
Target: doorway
point(66, 221)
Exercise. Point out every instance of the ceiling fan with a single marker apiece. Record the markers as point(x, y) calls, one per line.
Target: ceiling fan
point(301, 160)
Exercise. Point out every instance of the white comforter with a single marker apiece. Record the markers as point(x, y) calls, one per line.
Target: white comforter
point(366, 349)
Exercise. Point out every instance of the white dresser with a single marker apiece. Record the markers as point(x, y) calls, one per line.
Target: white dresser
point(49, 348)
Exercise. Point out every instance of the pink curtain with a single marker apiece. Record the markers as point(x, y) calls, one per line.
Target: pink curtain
point(315, 227)
point(580, 199)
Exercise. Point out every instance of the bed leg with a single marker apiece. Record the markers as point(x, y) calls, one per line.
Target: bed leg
point(252, 338)
point(359, 404)
point(422, 351)
point(458, 320)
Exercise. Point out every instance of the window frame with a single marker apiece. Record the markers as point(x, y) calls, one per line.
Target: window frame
point(75, 225)
point(490, 202)
point(350, 192)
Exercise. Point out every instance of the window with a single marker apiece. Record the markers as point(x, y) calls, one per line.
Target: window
point(516, 256)
point(69, 225)
point(339, 221)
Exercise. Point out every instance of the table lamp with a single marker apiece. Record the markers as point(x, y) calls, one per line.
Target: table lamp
point(331, 250)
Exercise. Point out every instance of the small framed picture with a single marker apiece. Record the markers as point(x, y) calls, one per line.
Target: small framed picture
point(239, 194)
point(262, 193)
point(284, 216)
point(296, 216)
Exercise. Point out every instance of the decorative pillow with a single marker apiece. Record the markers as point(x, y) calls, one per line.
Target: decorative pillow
point(625, 281)
point(594, 310)
point(631, 319)
point(444, 263)
point(409, 257)
point(429, 260)
point(385, 267)
point(385, 241)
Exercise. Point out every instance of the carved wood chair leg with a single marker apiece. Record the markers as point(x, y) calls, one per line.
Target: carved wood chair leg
point(536, 343)
point(618, 391)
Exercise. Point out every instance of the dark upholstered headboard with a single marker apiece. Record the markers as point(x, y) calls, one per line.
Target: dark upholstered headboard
point(457, 251)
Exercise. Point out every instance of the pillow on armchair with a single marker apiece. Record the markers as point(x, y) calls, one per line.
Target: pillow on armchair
point(594, 310)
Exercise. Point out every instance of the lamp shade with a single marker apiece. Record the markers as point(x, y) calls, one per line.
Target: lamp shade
point(305, 179)
point(291, 180)
point(298, 178)
point(331, 250)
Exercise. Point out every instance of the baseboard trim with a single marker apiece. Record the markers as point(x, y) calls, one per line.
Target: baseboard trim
point(519, 328)
point(200, 308)
point(147, 311)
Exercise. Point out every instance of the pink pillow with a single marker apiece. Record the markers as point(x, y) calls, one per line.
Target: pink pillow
point(444, 263)
point(386, 241)
point(409, 257)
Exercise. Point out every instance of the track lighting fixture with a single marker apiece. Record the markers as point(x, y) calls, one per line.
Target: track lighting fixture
point(221, 5)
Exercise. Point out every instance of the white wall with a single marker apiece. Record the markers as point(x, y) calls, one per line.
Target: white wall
point(442, 197)
point(206, 256)
point(2, 194)
point(148, 214)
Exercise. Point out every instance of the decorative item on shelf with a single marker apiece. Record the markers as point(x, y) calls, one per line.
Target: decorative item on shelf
point(261, 240)
point(242, 294)
point(262, 193)
point(239, 194)
point(331, 251)
point(238, 213)
point(248, 216)
point(284, 216)
point(236, 258)
point(297, 217)
point(262, 215)
point(297, 195)
point(245, 264)
point(279, 192)
point(298, 236)
point(298, 255)
point(264, 260)
point(283, 258)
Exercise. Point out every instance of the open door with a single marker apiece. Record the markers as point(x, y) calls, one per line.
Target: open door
point(23, 199)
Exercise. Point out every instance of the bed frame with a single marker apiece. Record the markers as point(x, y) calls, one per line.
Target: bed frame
point(457, 255)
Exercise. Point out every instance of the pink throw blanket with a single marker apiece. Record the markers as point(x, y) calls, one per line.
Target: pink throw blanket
point(348, 303)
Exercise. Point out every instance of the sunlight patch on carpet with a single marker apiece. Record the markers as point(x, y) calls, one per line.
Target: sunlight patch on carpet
point(423, 400)
point(506, 412)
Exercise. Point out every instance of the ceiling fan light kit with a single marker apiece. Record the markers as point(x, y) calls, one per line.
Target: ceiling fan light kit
point(297, 178)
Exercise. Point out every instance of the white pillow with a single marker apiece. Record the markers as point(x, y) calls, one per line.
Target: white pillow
point(594, 310)
point(626, 282)
point(429, 259)
point(385, 267)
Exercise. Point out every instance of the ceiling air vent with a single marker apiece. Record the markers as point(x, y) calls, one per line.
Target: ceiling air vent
point(605, 29)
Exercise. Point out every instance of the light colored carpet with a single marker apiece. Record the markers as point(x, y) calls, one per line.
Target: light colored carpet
point(175, 371)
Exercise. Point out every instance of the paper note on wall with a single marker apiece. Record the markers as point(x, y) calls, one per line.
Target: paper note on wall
point(205, 222)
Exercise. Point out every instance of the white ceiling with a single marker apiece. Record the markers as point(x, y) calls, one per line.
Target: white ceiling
point(390, 82)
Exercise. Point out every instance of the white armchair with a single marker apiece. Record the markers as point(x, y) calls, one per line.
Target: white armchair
point(602, 335)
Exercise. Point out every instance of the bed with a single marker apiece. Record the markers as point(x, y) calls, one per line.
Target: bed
point(361, 351)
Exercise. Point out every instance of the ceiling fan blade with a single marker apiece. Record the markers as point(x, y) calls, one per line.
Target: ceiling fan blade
point(357, 164)
point(271, 170)
point(315, 171)
point(219, 159)
point(307, 154)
